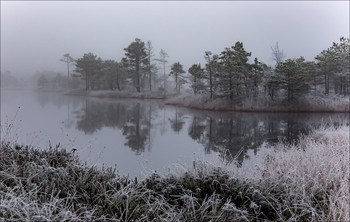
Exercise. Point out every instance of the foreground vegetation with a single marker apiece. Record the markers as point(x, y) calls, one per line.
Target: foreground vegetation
point(307, 182)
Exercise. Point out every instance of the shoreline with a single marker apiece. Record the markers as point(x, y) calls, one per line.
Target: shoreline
point(335, 104)
point(54, 185)
point(309, 104)
point(116, 94)
point(258, 110)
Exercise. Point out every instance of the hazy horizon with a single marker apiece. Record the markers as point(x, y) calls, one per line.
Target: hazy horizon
point(35, 35)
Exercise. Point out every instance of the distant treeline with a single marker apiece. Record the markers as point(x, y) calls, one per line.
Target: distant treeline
point(55, 80)
point(228, 74)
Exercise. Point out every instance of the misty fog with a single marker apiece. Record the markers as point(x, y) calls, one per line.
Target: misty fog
point(35, 35)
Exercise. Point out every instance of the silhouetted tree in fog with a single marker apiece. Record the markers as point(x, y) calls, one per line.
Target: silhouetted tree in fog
point(110, 74)
point(277, 54)
point(210, 67)
point(177, 71)
point(162, 58)
point(151, 68)
point(137, 57)
point(197, 76)
point(68, 60)
point(89, 68)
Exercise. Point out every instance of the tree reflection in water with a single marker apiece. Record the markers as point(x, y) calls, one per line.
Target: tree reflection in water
point(136, 129)
point(235, 133)
point(133, 119)
point(177, 121)
point(229, 133)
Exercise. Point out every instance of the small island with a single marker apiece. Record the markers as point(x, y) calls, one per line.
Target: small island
point(228, 81)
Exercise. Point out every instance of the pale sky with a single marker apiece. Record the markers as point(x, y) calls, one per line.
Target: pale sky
point(35, 35)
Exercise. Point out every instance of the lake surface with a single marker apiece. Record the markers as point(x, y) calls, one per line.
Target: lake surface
point(140, 136)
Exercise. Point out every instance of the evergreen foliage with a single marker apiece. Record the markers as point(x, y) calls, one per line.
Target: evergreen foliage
point(333, 64)
point(291, 76)
point(228, 75)
point(256, 77)
point(136, 57)
point(177, 71)
point(89, 68)
point(234, 71)
point(197, 77)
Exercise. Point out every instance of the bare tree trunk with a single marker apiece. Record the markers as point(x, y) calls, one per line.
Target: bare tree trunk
point(326, 80)
point(150, 74)
point(137, 76)
point(315, 84)
point(149, 48)
point(117, 80)
point(86, 81)
point(149, 126)
point(176, 83)
point(277, 54)
point(67, 75)
point(164, 75)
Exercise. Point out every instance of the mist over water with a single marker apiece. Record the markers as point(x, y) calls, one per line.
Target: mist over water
point(140, 136)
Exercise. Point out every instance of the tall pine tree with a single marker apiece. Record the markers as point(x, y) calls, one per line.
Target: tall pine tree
point(136, 57)
point(292, 76)
point(234, 71)
point(197, 77)
point(177, 71)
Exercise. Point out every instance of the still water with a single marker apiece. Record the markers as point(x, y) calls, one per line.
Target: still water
point(140, 136)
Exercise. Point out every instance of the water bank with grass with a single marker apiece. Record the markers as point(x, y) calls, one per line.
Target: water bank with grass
point(309, 103)
point(120, 94)
point(263, 104)
point(305, 182)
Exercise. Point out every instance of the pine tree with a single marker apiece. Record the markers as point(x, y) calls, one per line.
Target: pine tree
point(211, 68)
point(110, 75)
point(68, 60)
point(256, 77)
point(137, 57)
point(89, 67)
point(151, 68)
point(163, 56)
point(292, 76)
point(197, 77)
point(177, 71)
point(234, 70)
point(334, 64)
